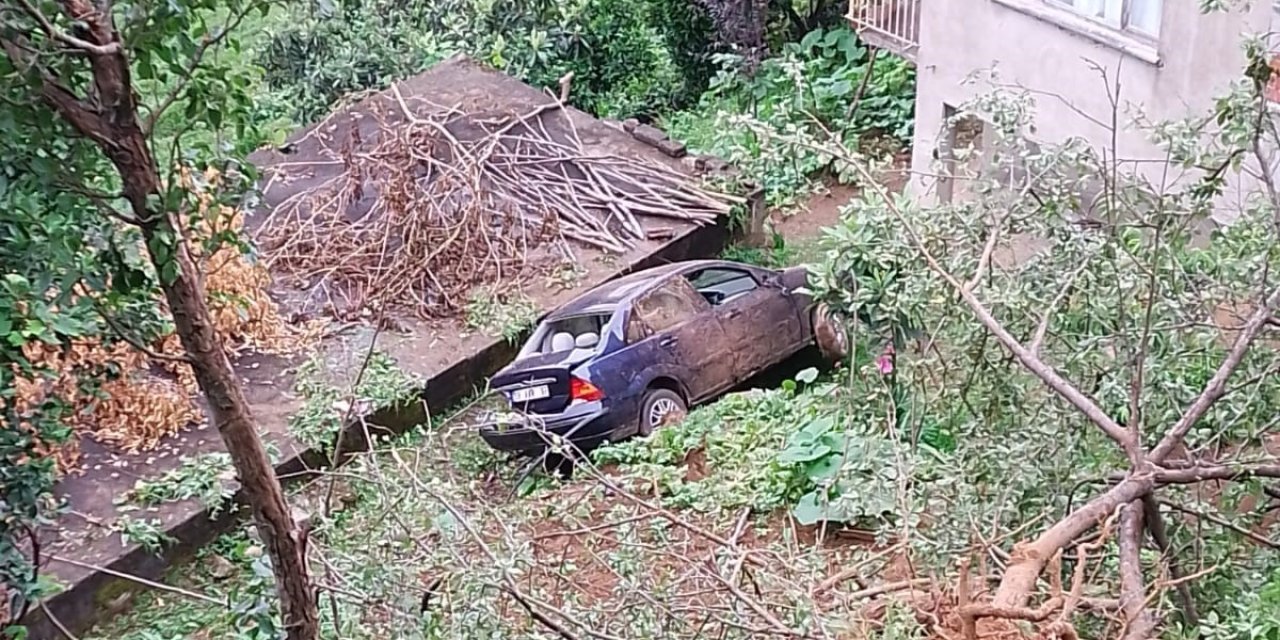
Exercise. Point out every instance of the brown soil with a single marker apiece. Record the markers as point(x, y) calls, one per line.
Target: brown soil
point(823, 210)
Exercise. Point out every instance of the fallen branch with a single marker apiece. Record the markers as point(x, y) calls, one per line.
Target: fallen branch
point(1133, 593)
point(1209, 517)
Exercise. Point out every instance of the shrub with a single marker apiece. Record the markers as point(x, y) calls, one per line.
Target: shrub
point(809, 90)
point(628, 56)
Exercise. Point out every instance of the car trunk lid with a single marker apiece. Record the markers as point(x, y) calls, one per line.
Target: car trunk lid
point(535, 385)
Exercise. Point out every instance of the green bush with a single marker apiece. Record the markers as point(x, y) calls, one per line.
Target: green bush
point(808, 90)
point(627, 56)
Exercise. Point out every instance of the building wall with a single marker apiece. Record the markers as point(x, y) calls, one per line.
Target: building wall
point(1027, 42)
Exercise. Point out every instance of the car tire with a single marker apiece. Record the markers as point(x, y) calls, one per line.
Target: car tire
point(830, 335)
point(660, 407)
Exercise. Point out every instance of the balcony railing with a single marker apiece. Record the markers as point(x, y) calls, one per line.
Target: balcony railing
point(892, 25)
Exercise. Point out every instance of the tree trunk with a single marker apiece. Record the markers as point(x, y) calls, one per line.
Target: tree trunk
point(108, 115)
point(229, 411)
point(228, 408)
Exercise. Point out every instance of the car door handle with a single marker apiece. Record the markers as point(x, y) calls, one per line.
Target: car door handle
point(667, 341)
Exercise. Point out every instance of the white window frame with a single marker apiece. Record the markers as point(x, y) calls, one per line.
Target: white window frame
point(1124, 24)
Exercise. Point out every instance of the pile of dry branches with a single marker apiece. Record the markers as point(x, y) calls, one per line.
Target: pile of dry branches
point(438, 201)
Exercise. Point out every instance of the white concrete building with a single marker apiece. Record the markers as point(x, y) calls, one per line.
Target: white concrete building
point(1171, 60)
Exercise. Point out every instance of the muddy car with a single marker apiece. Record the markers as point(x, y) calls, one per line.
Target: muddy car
point(634, 353)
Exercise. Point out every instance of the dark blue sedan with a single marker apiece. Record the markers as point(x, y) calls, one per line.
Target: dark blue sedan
point(636, 352)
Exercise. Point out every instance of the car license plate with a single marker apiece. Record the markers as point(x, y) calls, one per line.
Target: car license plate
point(530, 394)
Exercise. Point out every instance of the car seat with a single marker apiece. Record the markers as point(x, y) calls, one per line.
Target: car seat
point(562, 341)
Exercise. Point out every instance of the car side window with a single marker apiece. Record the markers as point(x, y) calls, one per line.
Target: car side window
point(720, 285)
point(637, 329)
point(671, 304)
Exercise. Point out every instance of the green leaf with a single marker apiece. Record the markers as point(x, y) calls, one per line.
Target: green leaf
point(811, 40)
point(803, 453)
point(824, 468)
point(818, 426)
point(840, 88)
point(169, 272)
point(809, 511)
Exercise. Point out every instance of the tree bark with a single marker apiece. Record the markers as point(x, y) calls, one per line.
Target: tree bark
point(1133, 591)
point(1029, 559)
point(229, 411)
point(109, 116)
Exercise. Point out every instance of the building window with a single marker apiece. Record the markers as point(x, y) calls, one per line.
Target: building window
point(1142, 16)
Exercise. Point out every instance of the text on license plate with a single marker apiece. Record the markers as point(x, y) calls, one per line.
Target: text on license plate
point(530, 393)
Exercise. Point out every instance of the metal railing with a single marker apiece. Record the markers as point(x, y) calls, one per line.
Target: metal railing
point(892, 25)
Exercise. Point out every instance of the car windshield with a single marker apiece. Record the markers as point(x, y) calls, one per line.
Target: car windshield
point(570, 338)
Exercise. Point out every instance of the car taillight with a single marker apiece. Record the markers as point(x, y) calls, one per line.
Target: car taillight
point(580, 389)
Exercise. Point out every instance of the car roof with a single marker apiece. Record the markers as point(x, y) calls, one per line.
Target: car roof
point(607, 296)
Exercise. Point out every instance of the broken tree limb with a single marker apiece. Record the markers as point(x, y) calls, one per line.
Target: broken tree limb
point(1029, 558)
point(1133, 591)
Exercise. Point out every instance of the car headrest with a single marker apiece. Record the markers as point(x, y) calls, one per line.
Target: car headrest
point(587, 340)
point(562, 341)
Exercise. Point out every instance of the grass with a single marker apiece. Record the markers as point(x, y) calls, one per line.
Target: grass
point(779, 254)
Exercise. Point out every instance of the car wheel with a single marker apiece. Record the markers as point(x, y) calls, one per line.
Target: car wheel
point(660, 407)
point(830, 335)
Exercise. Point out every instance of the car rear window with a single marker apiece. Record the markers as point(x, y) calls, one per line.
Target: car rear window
point(571, 336)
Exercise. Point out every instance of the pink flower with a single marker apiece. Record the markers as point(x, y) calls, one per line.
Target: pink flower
point(884, 363)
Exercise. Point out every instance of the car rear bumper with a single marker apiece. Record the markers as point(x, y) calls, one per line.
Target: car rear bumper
point(585, 425)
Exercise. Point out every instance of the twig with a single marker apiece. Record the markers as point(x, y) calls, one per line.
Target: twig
point(56, 622)
point(123, 334)
point(111, 48)
point(539, 617)
point(1043, 327)
point(143, 581)
point(1262, 540)
point(889, 587)
point(205, 44)
point(853, 571)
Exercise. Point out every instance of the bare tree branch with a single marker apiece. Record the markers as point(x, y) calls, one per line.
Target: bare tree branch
point(65, 38)
point(1209, 517)
point(1217, 385)
point(1034, 364)
point(1159, 535)
point(1201, 472)
point(123, 334)
point(984, 262)
point(78, 114)
point(1042, 328)
point(1029, 559)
